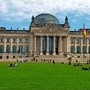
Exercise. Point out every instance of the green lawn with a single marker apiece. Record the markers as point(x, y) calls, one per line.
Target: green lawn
point(43, 76)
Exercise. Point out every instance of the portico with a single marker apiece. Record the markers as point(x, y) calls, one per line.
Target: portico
point(50, 45)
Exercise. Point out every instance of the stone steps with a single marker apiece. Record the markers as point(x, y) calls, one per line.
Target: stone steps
point(57, 58)
point(79, 59)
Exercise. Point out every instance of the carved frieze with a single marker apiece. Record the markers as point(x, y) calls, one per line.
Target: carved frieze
point(51, 28)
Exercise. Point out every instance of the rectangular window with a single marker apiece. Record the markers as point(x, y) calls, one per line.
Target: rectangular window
point(14, 40)
point(78, 41)
point(26, 40)
point(1, 40)
point(20, 40)
point(89, 41)
point(84, 41)
point(72, 41)
point(7, 40)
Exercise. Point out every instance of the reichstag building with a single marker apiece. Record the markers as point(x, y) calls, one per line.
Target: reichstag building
point(46, 38)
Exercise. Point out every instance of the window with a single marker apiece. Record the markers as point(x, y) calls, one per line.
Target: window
point(1, 49)
point(7, 57)
point(20, 40)
point(7, 40)
point(44, 45)
point(21, 48)
point(1, 40)
point(14, 40)
point(26, 40)
point(72, 49)
point(84, 49)
point(84, 41)
point(26, 49)
point(13, 56)
point(7, 49)
point(89, 41)
point(78, 56)
point(51, 45)
point(0, 57)
point(78, 49)
point(14, 49)
point(72, 40)
point(89, 49)
point(78, 41)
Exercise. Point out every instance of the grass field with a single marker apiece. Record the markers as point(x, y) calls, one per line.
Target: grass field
point(43, 76)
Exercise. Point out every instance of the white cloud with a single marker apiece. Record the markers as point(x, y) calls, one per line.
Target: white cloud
point(19, 10)
point(74, 20)
point(87, 18)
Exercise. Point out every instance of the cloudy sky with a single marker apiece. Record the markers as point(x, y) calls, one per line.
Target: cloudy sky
point(18, 13)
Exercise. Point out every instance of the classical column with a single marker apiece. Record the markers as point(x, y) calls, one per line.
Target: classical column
point(31, 44)
point(65, 41)
point(54, 53)
point(34, 44)
point(81, 45)
point(47, 40)
point(10, 45)
point(4, 45)
point(59, 45)
point(41, 46)
point(68, 45)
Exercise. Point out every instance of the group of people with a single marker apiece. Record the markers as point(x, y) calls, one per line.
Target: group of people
point(84, 67)
point(11, 64)
point(78, 63)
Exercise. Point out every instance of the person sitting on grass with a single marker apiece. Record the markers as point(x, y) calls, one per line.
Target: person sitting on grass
point(86, 67)
point(12, 65)
point(69, 62)
point(15, 65)
point(53, 62)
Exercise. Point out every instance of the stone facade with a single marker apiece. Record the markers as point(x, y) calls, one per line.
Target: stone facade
point(46, 38)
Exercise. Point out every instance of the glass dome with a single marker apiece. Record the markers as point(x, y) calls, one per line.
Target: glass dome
point(46, 18)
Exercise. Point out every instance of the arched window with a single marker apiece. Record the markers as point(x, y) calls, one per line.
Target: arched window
point(84, 49)
point(26, 49)
point(20, 48)
point(72, 49)
point(78, 49)
point(14, 49)
point(1, 48)
point(7, 49)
